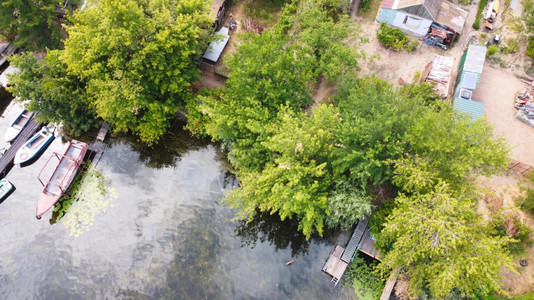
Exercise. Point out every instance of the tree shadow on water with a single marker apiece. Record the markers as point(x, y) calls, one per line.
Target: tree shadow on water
point(282, 234)
point(169, 149)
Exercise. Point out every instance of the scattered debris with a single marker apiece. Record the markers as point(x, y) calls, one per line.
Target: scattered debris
point(249, 25)
point(524, 105)
point(290, 262)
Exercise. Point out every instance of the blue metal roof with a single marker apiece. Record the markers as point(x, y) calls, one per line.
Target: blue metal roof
point(475, 109)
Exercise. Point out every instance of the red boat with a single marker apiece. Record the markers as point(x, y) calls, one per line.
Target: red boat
point(59, 182)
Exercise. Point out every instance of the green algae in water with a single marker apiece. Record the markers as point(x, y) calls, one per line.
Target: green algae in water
point(89, 196)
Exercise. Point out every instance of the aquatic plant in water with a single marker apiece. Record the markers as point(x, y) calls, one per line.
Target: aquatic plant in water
point(89, 196)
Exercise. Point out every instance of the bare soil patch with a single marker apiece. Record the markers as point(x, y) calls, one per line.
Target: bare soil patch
point(500, 194)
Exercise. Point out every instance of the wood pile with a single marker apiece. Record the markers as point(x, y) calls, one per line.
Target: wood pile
point(440, 74)
point(249, 25)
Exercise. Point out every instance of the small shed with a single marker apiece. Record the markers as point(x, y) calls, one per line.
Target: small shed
point(416, 16)
point(216, 47)
point(469, 71)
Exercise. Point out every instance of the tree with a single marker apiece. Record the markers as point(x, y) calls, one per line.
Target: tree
point(440, 241)
point(376, 132)
point(279, 67)
point(55, 95)
point(137, 59)
point(295, 182)
point(31, 24)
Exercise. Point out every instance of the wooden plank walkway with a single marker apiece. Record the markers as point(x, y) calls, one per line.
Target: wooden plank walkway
point(354, 241)
point(390, 284)
point(6, 161)
point(98, 146)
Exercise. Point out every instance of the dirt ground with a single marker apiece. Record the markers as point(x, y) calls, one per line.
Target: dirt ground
point(497, 89)
point(500, 194)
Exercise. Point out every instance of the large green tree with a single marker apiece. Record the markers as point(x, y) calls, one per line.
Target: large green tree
point(439, 240)
point(31, 24)
point(381, 124)
point(56, 95)
point(136, 58)
point(296, 180)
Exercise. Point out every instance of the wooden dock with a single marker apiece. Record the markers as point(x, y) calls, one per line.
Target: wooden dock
point(340, 258)
point(334, 266)
point(367, 245)
point(390, 284)
point(98, 146)
point(6, 161)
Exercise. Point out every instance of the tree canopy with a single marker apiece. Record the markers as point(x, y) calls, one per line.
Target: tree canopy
point(31, 24)
point(56, 95)
point(440, 241)
point(136, 59)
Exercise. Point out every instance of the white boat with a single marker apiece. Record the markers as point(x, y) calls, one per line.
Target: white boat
point(17, 125)
point(34, 146)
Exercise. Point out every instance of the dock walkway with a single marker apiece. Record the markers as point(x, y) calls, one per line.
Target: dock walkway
point(354, 241)
point(340, 258)
point(98, 146)
point(6, 161)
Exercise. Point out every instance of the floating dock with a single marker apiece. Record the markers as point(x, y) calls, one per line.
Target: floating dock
point(334, 265)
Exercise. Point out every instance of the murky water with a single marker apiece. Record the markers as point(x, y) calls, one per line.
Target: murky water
point(162, 234)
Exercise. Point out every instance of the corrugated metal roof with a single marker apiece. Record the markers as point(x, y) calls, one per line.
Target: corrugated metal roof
point(216, 48)
point(407, 3)
point(452, 16)
point(387, 3)
point(473, 108)
point(474, 61)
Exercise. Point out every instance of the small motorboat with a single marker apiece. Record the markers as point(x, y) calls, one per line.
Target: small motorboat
point(5, 189)
point(34, 146)
point(63, 175)
point(17, 125)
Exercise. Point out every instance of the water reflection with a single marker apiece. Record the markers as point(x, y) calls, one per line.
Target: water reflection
point(164, 236)
point(281, 234)
point(169, 149)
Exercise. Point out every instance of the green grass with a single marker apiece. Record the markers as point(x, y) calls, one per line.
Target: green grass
point(369, 13)
point(263, 12)
point(478, 18)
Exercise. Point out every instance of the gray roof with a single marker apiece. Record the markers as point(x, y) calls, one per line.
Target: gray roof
point(216, 47)
point(474, 60)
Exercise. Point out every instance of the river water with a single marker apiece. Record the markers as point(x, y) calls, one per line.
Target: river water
point(158, 231)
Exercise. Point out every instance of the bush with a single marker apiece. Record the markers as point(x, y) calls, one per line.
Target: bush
point(481, 5)
point(530, 48)
point(492, 49)
point(365, 281)
point(395, 38)
point(364, 5)
point(512, 46)
point(527, 203)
